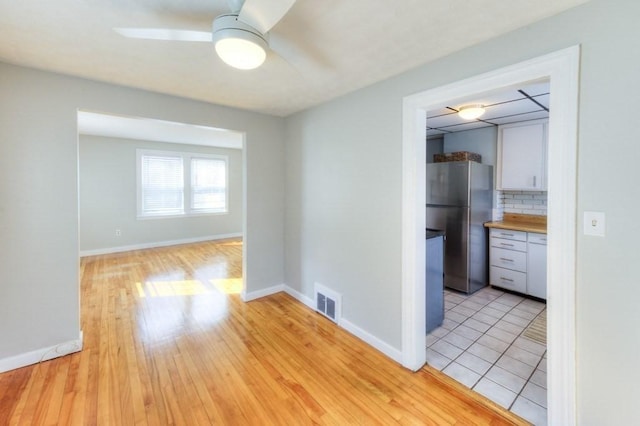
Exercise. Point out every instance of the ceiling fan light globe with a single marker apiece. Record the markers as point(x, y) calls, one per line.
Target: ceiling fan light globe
point(238, 44)
point(471, 112)
point(240, 53)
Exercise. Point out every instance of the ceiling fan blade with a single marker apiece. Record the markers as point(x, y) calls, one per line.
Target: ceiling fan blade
point(235, 5)
point(264, 14)
point(164, 34)
point(297, 54)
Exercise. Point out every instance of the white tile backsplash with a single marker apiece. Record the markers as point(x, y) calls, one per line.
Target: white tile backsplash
point(523, 202)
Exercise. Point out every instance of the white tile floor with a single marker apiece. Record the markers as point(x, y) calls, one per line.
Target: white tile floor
point(480, 344)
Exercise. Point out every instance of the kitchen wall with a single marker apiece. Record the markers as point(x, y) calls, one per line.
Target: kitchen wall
point(39, 295)
point(344, 191)
point(482, 141)
point(108, 200)
point(435, 145)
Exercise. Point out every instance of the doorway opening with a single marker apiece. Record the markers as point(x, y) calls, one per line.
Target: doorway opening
point(561, 69)
point(145, 183)
point(486, 340)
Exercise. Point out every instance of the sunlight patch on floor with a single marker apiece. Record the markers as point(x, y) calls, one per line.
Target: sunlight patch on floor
point(228, 285)
point(170, 288)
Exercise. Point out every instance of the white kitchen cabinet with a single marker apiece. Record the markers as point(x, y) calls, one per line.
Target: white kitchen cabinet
point(508, 259)
point(537, 265)
point(522, 156)
point(518, 261)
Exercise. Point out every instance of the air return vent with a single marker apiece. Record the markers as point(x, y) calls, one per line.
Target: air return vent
point(328, 302)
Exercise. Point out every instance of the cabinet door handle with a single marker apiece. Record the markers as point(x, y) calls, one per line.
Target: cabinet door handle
point(505, 244)
point(506, 279)
point(506, 260)
point(534, 182)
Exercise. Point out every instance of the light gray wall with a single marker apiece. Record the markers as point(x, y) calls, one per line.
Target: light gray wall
point(108, 199)
point(481, 141)
point(39, 289)
point(343, 206)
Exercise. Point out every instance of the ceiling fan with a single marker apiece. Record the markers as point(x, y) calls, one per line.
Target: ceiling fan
point(240, 38)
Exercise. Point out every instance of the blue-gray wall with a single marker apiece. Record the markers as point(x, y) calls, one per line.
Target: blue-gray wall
point(481, 141)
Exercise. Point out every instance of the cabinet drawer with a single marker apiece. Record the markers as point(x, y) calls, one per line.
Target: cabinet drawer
point(506, 278)
point(510, 259)
point(508, 234)
point(509, 244)
point(536, 238)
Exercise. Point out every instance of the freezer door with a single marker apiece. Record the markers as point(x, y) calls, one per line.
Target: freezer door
point(448, 183)
point(455, 222)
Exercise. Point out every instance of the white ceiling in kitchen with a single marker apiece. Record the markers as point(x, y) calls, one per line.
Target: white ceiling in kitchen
point(529, 102)
point(325, 48)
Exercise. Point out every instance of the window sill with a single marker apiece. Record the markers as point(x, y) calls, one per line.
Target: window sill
point(180, 216)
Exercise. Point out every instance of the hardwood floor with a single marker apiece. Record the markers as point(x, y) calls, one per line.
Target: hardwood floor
point(167, 340)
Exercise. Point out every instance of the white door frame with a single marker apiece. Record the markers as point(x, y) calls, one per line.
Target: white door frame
point(562, 69)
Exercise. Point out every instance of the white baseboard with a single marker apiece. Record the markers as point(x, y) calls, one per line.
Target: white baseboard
point(39, 355)
point(300, 297)
point(142, 246)
point(361, 334)
point(248, 297)
point(372, 340)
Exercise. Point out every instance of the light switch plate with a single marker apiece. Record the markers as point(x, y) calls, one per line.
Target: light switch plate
point(594, 224)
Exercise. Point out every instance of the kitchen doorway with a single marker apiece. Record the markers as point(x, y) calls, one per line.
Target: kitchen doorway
point(487, 340)
point(561, 69)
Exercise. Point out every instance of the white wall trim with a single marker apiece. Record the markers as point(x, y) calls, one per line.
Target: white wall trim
point(42, 354)
point(142, 246)
point(413, 245)
point(300, 297)
point(361, 334)
point(248, 297)
point(372, 340)
point(562, 69)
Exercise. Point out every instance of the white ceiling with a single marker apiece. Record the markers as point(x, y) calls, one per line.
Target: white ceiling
point(327, 47)
point(522, 103)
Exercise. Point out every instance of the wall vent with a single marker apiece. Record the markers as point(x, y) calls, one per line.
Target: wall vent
point(328, 302)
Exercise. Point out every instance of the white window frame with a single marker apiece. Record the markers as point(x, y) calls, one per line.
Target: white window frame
point(187, 211)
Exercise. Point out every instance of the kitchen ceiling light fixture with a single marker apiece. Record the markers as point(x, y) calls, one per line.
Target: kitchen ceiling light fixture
point(238, 44)
point(471, 112)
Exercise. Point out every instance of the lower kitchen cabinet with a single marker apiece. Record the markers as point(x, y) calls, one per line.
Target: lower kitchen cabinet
point(506, 278)
point(518, 261)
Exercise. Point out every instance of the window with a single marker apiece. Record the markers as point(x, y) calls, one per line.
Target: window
point(181, 184)
point(208, 184)
point(162, 185)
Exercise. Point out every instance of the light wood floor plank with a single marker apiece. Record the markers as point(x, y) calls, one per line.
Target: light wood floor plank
point(168, 341)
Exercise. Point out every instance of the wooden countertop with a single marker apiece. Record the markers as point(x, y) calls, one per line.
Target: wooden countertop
point(521, 222)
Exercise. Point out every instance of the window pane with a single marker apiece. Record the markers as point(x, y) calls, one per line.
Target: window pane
point(208, 184)
point(162, 185)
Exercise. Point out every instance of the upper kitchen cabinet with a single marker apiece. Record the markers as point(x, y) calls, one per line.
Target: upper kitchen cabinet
point(522, 156)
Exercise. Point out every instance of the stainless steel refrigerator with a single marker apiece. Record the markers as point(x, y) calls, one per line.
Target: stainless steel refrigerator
point(459, 201)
